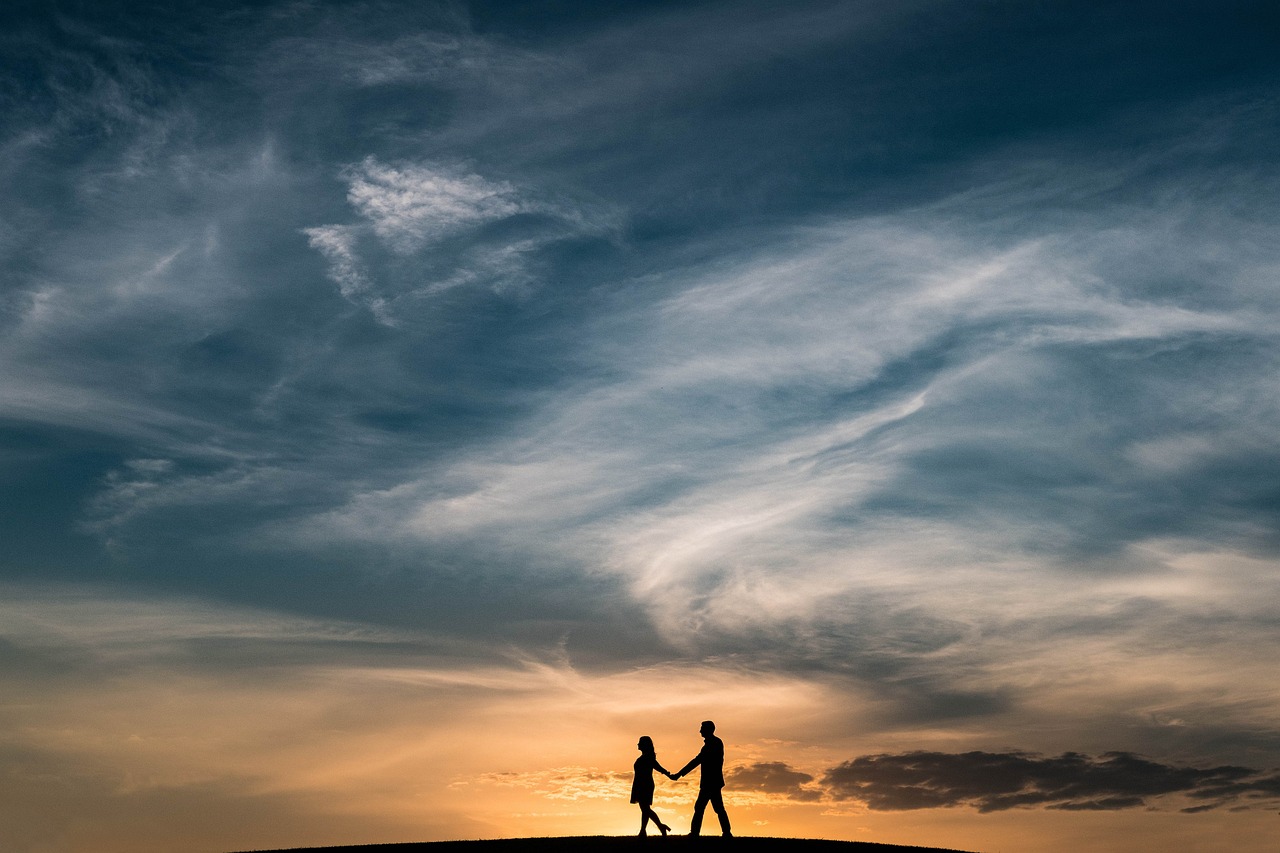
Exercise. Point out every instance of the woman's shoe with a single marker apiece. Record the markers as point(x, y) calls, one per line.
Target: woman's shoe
point(664, 828)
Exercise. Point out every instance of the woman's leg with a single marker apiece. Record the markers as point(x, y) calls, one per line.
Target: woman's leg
point(650, 813)
point(644, 818)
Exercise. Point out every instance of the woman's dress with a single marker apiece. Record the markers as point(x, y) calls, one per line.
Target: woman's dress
point(642, 783)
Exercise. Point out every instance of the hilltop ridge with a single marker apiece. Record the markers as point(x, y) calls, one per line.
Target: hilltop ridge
point(624, 844)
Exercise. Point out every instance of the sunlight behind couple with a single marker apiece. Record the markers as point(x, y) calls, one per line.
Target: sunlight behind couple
point(710, 782)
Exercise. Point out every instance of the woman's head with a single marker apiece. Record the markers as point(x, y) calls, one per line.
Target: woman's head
point(645, 744)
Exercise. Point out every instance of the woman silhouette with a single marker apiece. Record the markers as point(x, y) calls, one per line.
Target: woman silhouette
point(642, 784)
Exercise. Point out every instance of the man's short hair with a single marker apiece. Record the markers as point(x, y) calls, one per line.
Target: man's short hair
point(708, 725)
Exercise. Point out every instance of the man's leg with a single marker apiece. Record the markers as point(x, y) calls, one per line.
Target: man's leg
point(700, 806)
point(717, 803)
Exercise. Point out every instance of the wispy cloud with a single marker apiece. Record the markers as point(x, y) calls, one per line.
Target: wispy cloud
point(410, 208)
point(86, 620)
point(337, 244)
point(911, 346)
point(414, 205)
point(564, 783)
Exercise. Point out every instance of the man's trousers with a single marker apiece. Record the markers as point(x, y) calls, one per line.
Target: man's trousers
point(717, 802)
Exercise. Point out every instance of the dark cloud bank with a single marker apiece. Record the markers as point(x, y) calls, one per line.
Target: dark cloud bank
point(997, 781)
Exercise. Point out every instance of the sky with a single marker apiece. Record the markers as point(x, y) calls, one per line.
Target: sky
point(404, 406)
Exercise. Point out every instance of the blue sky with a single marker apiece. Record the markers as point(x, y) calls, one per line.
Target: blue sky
point(923, 354)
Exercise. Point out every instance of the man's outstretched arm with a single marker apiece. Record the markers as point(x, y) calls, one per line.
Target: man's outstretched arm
point(697, 759)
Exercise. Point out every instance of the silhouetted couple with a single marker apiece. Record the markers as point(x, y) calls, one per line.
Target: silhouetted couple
point(710, 757)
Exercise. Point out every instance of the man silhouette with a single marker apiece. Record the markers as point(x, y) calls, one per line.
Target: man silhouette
point(711, 757)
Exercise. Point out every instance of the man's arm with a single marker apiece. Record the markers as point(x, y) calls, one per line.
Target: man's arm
point(697, 759)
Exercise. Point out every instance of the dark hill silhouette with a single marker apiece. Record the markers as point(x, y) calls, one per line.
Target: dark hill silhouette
point(624, 844)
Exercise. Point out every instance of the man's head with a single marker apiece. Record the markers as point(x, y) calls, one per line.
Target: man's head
point(708, 728)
